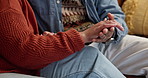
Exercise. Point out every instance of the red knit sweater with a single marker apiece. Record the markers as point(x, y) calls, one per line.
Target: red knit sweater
point(22, 49)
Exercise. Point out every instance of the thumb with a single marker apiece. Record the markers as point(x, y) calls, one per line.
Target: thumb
point(110, 16)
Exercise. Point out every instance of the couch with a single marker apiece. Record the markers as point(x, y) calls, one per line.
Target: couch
point(136, 19)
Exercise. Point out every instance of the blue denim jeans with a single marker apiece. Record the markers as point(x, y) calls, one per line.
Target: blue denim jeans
point(88, 63)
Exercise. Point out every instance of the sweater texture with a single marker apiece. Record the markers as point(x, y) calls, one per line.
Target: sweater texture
point(22, 49)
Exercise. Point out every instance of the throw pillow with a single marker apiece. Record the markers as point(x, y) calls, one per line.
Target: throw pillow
point(136, 12)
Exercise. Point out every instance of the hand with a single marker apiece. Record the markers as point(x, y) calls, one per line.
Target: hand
point(93, 32)
point(106, 34)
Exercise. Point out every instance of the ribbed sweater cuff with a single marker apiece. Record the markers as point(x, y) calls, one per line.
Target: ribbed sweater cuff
point(76, 39)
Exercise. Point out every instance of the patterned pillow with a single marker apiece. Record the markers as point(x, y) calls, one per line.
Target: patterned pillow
point(136, 12)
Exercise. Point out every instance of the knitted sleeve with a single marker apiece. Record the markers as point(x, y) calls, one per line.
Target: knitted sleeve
point(22, 48)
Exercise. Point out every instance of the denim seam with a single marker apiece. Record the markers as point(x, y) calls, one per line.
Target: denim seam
point(102, 76)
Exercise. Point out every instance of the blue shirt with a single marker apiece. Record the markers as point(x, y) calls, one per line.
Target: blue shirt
point(49, 14)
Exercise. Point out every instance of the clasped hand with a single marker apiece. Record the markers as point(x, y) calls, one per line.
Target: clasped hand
point(102, 31)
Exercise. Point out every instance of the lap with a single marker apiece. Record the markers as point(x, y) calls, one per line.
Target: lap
point(87, 63)
point(130, 55)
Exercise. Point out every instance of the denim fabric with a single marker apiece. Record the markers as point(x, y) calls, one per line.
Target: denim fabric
point(88, 63)
point(49, 16)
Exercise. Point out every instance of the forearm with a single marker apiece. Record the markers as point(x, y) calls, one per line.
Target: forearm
point(25, 49)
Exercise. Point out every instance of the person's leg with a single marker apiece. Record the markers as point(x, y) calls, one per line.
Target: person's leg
point(88, 63)
point(130, 56)
point(16, 75)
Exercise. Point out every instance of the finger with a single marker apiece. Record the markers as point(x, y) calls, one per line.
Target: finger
point(110, 16)
point(101, 35)
point(105, 19)
point(115, 24)
point(109, 34)
point(102, 38)
point(105, 31)
point(112, 29)
point(47, 33)
point(97, 40)
point(120, 27)
point(110, 25)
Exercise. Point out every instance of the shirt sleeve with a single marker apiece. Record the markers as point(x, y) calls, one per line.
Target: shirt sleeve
point(22, 48)
point(111, 6)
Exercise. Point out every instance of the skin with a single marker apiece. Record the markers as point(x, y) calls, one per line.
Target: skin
point(96, 32)
point(107, 33)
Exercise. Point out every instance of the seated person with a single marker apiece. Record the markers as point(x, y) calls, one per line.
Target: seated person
point(63, 54)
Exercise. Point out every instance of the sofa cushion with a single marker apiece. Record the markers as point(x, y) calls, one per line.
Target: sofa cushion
point(136, 12)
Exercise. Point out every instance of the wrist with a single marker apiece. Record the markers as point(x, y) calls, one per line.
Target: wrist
point(83, 36)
